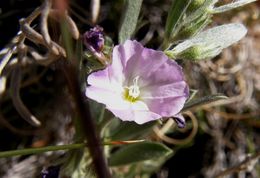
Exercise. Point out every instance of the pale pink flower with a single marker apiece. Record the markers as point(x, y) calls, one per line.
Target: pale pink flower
point(140, 85)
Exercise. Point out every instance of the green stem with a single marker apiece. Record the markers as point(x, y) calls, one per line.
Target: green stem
point(28, 151)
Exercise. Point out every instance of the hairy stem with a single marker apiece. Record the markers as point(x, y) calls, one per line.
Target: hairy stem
point(87, 123)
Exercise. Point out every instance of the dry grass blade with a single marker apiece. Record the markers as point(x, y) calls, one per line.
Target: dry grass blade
point(95, 8)
point(44, 21)
point(6, 58)
point(72, 27)
point(15, 95)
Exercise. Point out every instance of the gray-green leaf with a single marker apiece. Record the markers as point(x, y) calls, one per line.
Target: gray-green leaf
point(129, 19)
point(202, 101)
point(138, 152)
point(209, 43)
point(230, 6)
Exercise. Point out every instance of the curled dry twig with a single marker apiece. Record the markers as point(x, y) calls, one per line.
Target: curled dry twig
point(37, 38)
point(6, 58)
point(43, 38)
point(44, 22)
point(15, 95)
point(72, 27)
point(14, 130)
point(160, 132)
point(95, 8)
point(55, 51)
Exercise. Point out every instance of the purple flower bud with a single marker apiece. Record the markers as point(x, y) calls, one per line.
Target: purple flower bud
point(94, 39)
point(180, 121)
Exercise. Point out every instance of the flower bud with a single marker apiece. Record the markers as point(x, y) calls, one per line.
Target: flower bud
point(179, 120)
point(192, 53)
point(199, 52)
point(94, 39)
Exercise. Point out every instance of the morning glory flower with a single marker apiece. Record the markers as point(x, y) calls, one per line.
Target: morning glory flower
point(140, 85)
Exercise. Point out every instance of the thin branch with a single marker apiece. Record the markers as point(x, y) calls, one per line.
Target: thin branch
point(37, 38)
point(87, 123)
point(33, 15)
point(15, 95)
point(44, 60)
point(30, 33)
point(14, 130)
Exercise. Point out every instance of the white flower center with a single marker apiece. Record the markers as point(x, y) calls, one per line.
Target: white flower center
point(133, 90)
point(132, 93)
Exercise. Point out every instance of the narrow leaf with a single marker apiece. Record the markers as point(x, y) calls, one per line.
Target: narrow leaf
point(231, 6)
point(202, 101)
point(129, 19)
point(138, 152)
point(176, 13)
point(130, 130)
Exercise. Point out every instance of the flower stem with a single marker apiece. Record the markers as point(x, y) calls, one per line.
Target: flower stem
point(88, 126)
point(28, 151)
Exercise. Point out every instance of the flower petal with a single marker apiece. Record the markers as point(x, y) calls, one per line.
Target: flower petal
point(166, 107)
point(144, 64)
point(137, 112)
point(101, 79)
point(164, 91)
point(109, 98)
point(122, 54)
point(168, 72)
point(129, 49)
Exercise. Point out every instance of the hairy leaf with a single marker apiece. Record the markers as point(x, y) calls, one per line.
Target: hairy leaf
point(129, 19)
point(208, 43)
point(138, 152)
point(231, 6)
point(202, 101)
